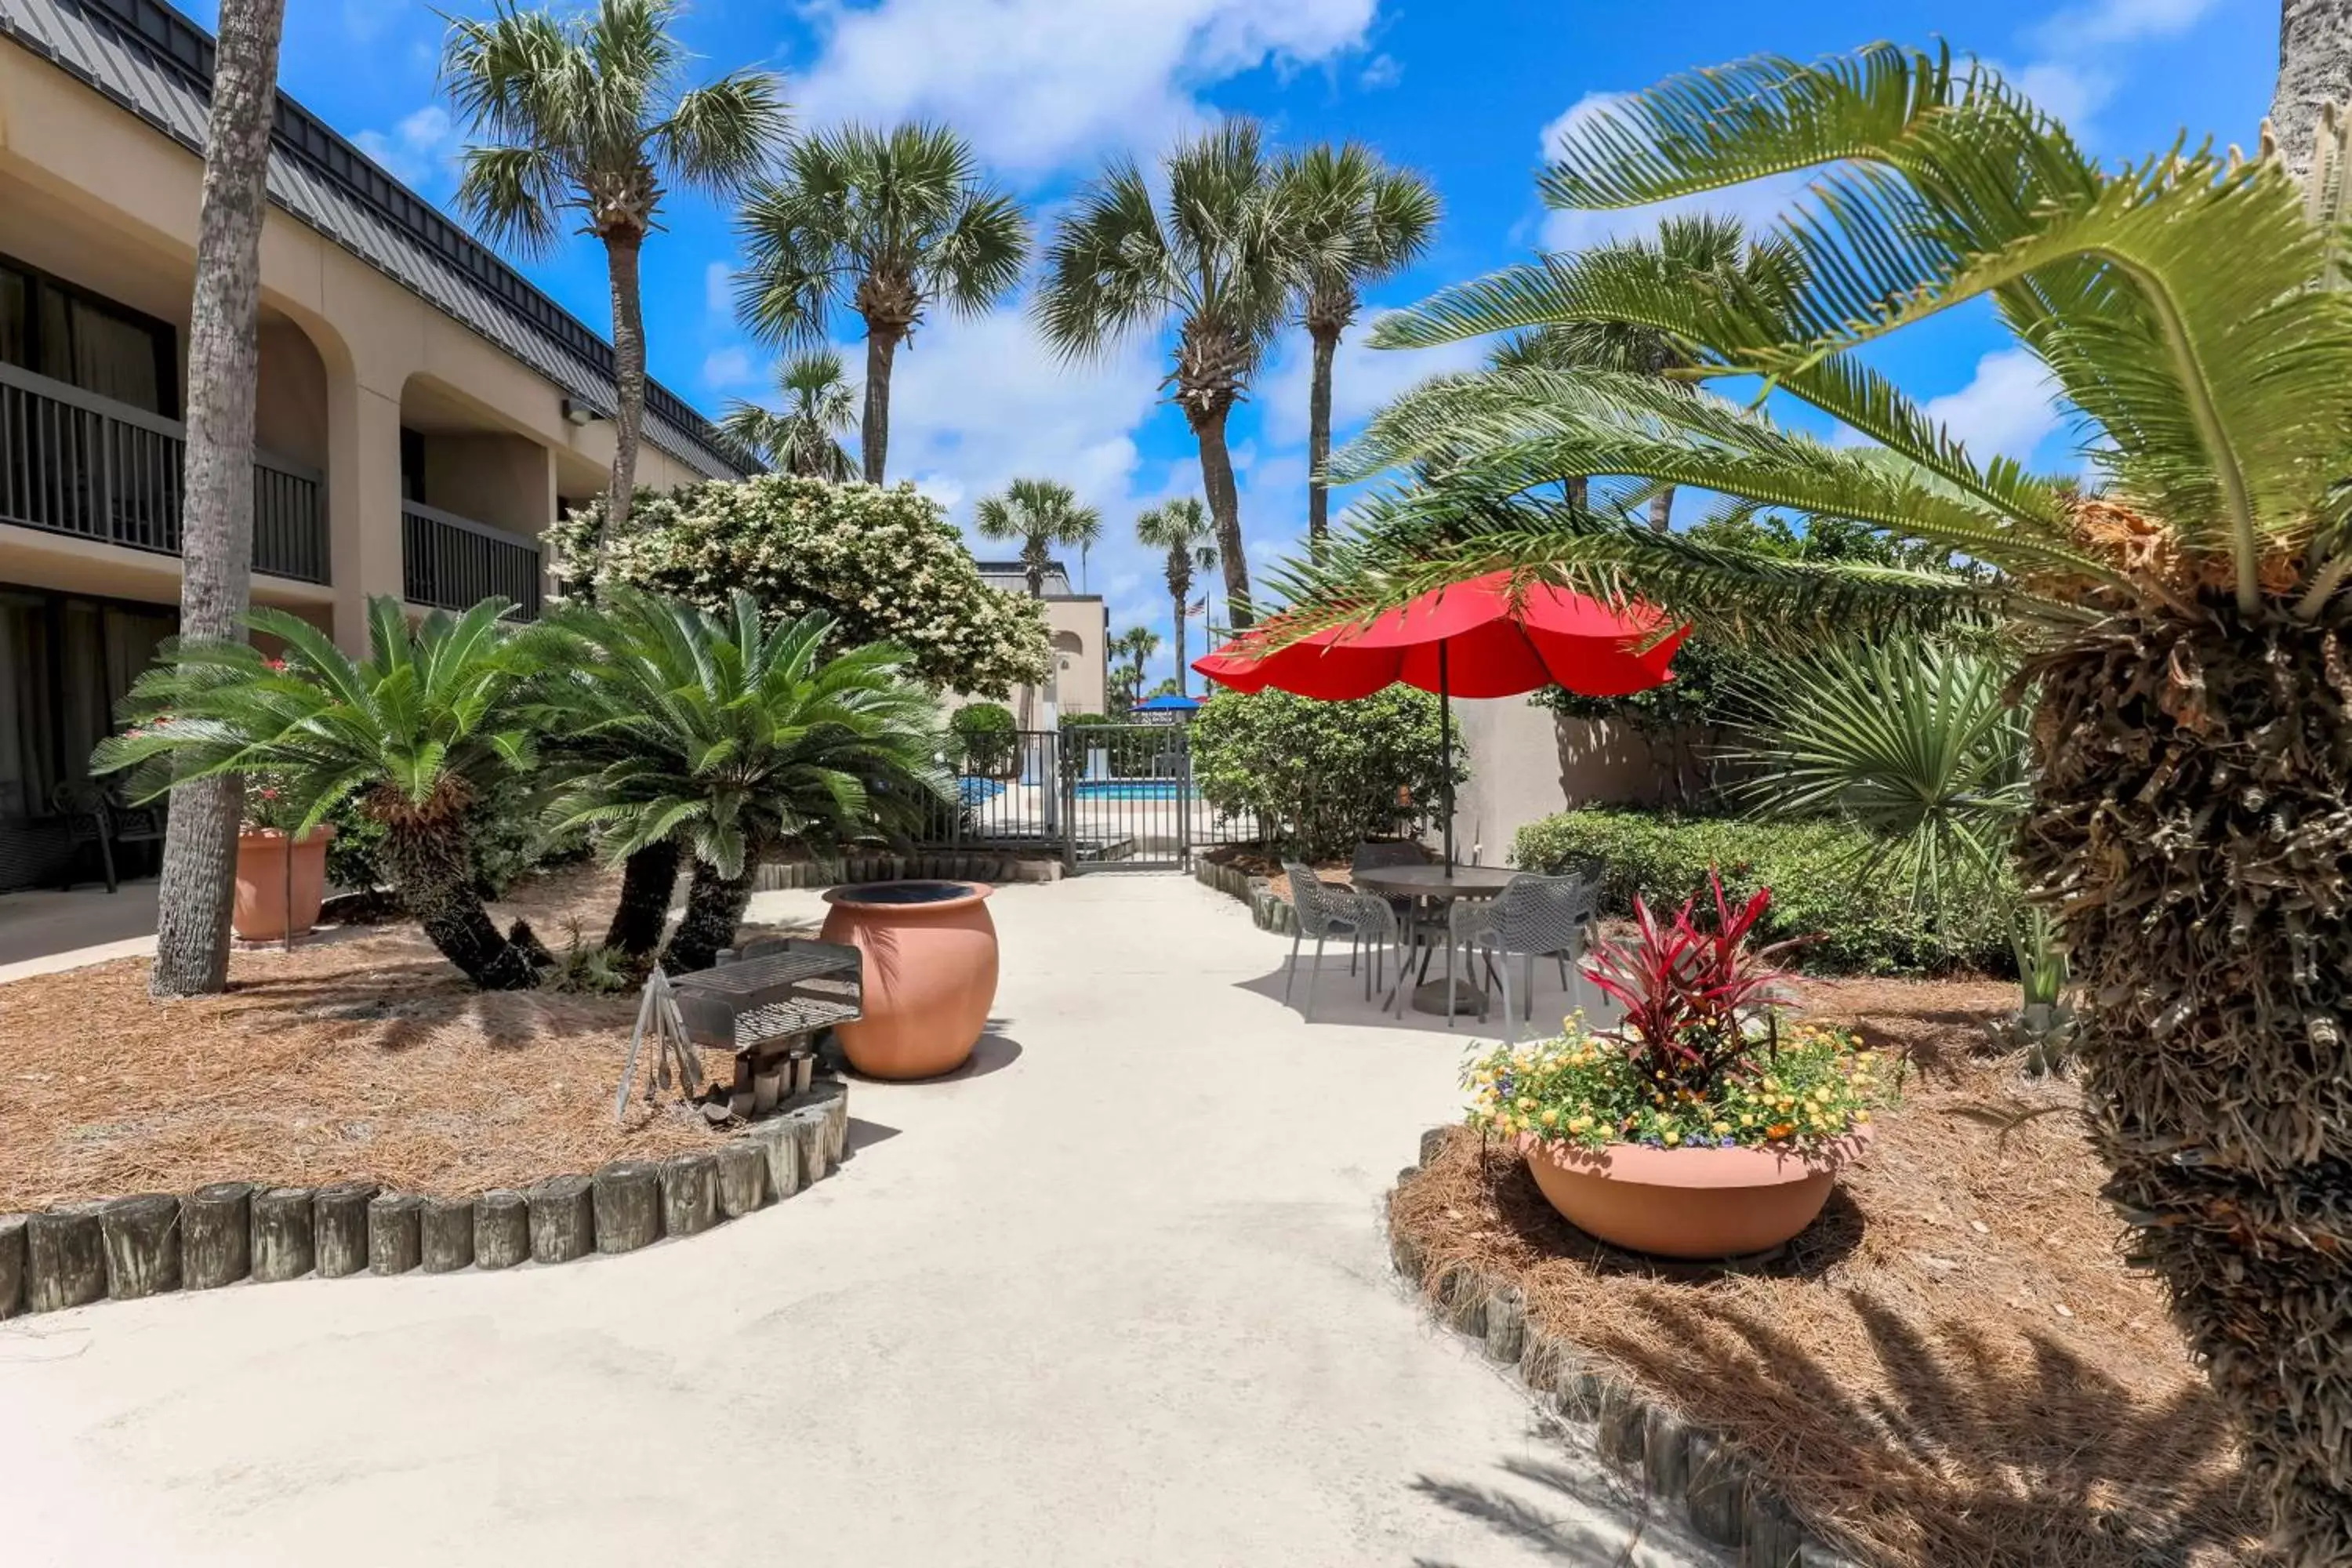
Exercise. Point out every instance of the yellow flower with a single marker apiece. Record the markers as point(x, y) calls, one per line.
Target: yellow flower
point(1579, 1123)
point(1551, 1117)
point(1721, 1128)
point(1746, 1119)
point(1672, 1138)
point(1862, 1116)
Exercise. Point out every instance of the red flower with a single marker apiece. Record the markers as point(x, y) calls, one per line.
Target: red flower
point(274, 664)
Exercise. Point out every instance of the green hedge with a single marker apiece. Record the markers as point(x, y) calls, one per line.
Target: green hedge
point(1863, 926)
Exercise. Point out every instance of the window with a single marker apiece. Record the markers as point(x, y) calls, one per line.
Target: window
point(53, 329)
point(412, 465)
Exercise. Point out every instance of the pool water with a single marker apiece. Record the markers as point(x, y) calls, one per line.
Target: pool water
point(1133, 789)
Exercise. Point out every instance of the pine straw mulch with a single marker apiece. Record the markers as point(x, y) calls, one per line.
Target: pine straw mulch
point(1953, 1367)
point(363, 1055)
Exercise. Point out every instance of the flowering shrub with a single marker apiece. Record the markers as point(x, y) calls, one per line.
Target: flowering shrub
point(1699, 1062)
point(886, 563)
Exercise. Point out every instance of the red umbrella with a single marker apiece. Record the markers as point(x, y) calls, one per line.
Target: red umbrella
point(1472, 639)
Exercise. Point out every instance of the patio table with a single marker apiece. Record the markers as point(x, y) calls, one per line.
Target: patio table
point(1438, 886)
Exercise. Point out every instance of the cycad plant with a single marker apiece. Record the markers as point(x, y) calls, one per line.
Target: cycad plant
point(1181, 530)
point(1359, 221)
point(586, 117)
point(886, 223)
point(1219, 257)
point(2180, 620)
point(804, 435)
point(415, 732)
point(729, 738)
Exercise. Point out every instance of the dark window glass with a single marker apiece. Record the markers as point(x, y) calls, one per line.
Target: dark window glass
point(412, 465)
point(15, 318)
point(83, 339)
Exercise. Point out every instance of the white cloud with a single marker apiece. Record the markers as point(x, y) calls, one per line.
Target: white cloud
point(1380, 71)
point(2072, 93)
point(719, 290)
point(1758, 203)
point(2008, 407)
point(729, 366)
point(417, 151)
point(1040, 85)
point(1363, 381)
point(2102, 24)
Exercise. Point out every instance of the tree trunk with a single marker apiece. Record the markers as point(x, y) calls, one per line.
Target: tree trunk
point(1225, 509)
point(2187, 829)
point(648, 878)
point(1181, 595)
point(1318, 443)
point(873, 435)
point(714, 907)
point(2315, 66)
point(621, 249)
point(432, 869)
point(1662, 508)
point(199, 875)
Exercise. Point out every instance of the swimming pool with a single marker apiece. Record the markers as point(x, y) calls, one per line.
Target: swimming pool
point(1134, 789)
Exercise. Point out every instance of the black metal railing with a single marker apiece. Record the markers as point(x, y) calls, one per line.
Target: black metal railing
point(1102, 795)
point(453, 562)
point(74, 463)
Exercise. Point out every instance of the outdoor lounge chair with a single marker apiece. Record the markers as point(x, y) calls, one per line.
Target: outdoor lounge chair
point(1533, 917)
point(1324, 911)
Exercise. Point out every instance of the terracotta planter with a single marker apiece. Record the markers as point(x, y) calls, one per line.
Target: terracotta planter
point(1689, 1203)
point(931, 974)
point(262, 886)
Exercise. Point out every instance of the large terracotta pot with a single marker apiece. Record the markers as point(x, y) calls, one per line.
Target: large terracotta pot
point(931, 974)
point(263, 887)
point(1689, 1203)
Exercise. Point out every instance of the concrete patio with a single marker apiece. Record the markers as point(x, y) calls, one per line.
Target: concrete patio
point(1116, 1295)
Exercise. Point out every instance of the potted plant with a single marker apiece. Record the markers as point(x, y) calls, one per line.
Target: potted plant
point(281, 875)
point(1699, 1127)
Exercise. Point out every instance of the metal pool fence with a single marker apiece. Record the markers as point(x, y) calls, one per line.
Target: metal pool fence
point(1104, 797)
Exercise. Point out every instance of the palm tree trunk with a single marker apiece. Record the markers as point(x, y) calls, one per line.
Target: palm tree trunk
point(199, 874)
point(1318, 443)
point(1226, 510)
point(432, 869)
point(621, 249)
point(2315, 66)
point(648, 878)
point(2206, 923)
point(874, 433)
point(1662, 508)
point(714, 907)
point(1181, 595)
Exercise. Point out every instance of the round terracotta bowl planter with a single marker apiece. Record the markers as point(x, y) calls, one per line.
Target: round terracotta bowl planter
point(268, 906)
point(931, 974)
point(1689, 1202)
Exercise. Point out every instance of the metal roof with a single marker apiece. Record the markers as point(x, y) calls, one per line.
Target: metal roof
point(1010, 575)
point(157, 64)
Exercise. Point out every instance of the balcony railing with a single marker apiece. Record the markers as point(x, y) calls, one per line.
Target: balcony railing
point(454, 563)
point(74, 463)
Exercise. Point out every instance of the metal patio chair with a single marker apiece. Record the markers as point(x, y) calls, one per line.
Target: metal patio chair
point(1324, 911)
point(1533, 917)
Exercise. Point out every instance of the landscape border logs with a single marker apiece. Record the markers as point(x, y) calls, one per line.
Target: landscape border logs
point(742, 1177)
point(340, 1228)
point(628, 1205)
point(141, 1238)
point(65, 1258)
point(285, 1234)
point(394, 1245)
point(562, 1218)
point(216, 1235)
point(12, 1265)
point(689, 1184)
point(501, 1228)
point(445, 1232)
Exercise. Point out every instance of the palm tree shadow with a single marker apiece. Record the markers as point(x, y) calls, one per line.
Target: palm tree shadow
point(1583, 1516)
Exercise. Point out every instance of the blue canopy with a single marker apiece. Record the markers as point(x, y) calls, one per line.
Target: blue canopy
point(1168, 704)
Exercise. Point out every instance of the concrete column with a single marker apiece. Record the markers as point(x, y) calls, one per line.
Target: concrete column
point(363, 499)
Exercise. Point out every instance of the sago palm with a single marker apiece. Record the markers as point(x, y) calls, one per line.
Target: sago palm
point(2182, 621)
point(1182, 532)
point(586, 117)
point(1219, 259)
point(731, 738)
point(415, 732)
point(886, 223)
point(1357, 221)
point(802, 437)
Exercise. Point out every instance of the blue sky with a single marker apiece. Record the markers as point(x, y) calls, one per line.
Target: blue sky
point(1462, 90)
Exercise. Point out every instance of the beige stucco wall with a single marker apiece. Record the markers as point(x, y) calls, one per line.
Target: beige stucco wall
point(92, 193)
point(1525, 763)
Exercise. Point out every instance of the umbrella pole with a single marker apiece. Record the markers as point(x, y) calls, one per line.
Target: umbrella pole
point(1445, 747)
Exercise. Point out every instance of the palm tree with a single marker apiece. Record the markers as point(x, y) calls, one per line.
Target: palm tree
point(801, 438)
point(1359, 222)
point(1220, 259)
point(199, 871)
point(416, 732)
point(730, 738)
point(2314, 69)
point(1178, 528)
point(1039, 515)
point(1135, 644)
point(586, 115)
point(2180, 619)
point(883, 223)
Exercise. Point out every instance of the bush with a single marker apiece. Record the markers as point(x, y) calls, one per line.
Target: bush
point(884, 564)
point(1862, 926)
point(507, 838)
point(1321, 776)
point(985, 735)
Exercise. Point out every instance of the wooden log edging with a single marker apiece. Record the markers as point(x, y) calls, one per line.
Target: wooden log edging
point(1703, 1475)
point(227, 1232)
point(937, 866)
point(1269, 909)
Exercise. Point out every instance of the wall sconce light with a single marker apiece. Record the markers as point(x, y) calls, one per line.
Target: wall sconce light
point(577, 413)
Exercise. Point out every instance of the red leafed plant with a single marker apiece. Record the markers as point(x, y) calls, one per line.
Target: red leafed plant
point(1687, 993)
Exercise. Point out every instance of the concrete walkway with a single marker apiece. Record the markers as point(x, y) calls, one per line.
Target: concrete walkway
point(1118, 1296)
